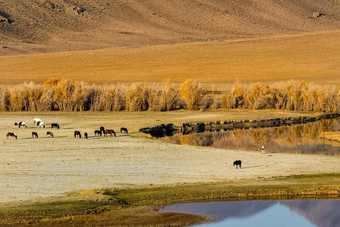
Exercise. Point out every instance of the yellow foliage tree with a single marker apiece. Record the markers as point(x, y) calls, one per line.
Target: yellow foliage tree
point(192, 93)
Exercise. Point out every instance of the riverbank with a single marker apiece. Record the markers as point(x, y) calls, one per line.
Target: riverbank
point(138, 206)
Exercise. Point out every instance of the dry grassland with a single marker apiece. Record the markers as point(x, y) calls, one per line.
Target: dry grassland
point(32, 168)
point(312, 56)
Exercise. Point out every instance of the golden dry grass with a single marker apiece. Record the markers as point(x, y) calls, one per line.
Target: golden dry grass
point(311, 56)
point(45, 166)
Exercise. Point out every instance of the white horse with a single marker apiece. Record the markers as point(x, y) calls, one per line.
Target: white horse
point(36, 120)
point(40, 123)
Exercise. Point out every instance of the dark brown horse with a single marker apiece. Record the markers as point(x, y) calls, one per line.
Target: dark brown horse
point(102, 129)
point(11, 134)
point(86, 135)
point(55, 125)
point(109, 132)
point(48, 133)
point(34, 134)
point(124, 130)
point(77, 134)
point(238, 163)
point(98, 133)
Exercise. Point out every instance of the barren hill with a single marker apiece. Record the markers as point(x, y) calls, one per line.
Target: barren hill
point(37, 26)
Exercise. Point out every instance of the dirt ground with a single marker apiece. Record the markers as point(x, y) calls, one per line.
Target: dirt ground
point(43, 167)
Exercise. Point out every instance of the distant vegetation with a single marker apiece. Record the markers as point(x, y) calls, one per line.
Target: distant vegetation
point(71, 95)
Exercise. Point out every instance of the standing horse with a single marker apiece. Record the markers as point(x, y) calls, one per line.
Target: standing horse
point(263, 149)
point(98, 133)
point(34, 135)
point(77, 134)
point(109, 132)
point(102, 129)
point(50, 134)
point(238, 163)
point(11, 134)
point(124, 130)
point(86, 135)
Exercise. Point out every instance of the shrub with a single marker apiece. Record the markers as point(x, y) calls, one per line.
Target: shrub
point(192, 93)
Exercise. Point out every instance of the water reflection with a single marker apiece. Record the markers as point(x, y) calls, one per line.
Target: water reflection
point(304, 138)
point(322, 213)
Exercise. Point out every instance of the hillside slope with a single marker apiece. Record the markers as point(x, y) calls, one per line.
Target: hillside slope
point(37, 26)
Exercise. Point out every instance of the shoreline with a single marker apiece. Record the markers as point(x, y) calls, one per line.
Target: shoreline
point(107, 206)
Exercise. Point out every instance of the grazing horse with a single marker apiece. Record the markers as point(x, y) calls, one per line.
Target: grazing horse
point(55, 125)
point(86, 135)
point(16, 125)
point(36, 120)
point(102, 129)
point(124, 130)
point(22, 124)
point(238, 163)
point(40, 123)
point(109, 132)
point(77, 134)
point(11, 134)
point(48, 133)
point(98, 132)
point(34, 135)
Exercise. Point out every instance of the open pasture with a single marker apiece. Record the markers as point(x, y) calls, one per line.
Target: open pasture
point(33, 168)
point(313, 57)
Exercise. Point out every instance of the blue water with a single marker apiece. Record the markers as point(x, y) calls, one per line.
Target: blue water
point(284, 213)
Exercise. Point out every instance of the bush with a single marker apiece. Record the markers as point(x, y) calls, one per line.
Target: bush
point(192, 93)
point(70, 95)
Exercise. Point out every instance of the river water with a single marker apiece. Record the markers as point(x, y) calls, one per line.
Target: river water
point(276, 213)
point(322, 137)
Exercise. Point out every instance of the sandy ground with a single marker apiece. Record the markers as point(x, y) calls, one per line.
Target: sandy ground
point(33, 168)
point(33, 26)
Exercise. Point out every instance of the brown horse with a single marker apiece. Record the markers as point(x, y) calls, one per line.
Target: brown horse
point(124, 130)
point(34, 135)
point(48, 133)
point(109, 132)
point(11, 134)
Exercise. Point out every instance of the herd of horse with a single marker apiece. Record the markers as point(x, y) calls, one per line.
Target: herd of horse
point(77, 134)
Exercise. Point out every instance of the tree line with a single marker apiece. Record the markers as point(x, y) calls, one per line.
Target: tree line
point(71, 95)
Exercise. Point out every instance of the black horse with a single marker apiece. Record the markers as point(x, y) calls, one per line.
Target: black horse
point(102, 129)
point(238, 163)
point(34, 134)
point(124, 130)
point(98, 133)
point(55, 125)
point(77, 134)
point(86, 135)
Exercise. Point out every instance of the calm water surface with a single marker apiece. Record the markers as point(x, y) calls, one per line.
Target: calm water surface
point(303, 139)
point(283, 213)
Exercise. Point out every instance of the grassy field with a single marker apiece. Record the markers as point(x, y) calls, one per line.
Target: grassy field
point(138, 206)
point(123, 180)
point(311, 56)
